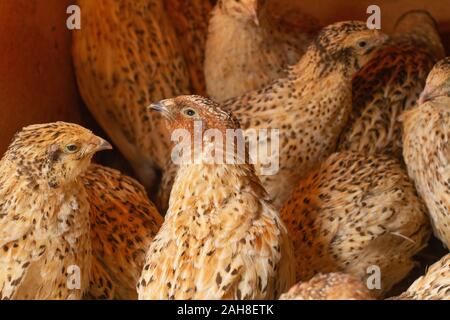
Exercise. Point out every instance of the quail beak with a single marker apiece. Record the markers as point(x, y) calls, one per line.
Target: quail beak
point(424, 97)
point(99, 144)
point(163, 108)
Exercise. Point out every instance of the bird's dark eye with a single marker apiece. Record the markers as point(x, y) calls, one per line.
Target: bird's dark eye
point(71, 148)
point(189, 112)
point(362, 44)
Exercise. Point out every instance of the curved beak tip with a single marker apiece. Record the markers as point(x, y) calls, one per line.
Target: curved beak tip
point(424, 97)
point(103, 145)
point(156, 107)
point(160, 107)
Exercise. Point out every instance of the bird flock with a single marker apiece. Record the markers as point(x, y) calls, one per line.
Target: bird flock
point(363, 179)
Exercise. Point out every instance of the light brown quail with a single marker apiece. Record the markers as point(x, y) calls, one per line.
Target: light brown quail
point(221, 238)
point(45, 248)
point(426, 149)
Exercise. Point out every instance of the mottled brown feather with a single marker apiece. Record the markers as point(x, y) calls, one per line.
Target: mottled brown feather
point(353, 212)
point(123, 224)
point(391, 83)
point(126, 55)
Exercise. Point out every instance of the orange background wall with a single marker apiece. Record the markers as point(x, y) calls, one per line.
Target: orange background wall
point(37, 83)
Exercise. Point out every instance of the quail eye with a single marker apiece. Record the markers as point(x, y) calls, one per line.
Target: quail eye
point(362, 44)
point(71, 148)
point(189, 112)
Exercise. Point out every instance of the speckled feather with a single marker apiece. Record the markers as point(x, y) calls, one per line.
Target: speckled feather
point(101, 286)
point(434, 285)
point(242, 56)
point(310, 107)
point(126, 56)
point(123, 224)
point(355, 211)
point(330, 286)
point(44, 221)
point(391, 83)
point(426, 148)
point(190, 21)
point(221, 238)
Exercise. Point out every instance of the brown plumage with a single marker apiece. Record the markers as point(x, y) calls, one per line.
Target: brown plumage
point(391, 83)
point(44, 212)
point(101, 286)
point(165, 186)
point(221, 238)
point(309, 107)
point(190, 20)
point(246, 49)
point(355, 211)
point(434, 285)
point(123, 224)
point(126, 56)
point(426, 149)
point(330, 286)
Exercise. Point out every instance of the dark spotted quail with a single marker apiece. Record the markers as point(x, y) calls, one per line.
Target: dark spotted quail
point(44, 212)
point(426, 147)
point(391, 83)
point(358, 214)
